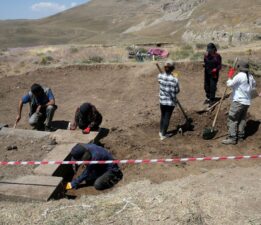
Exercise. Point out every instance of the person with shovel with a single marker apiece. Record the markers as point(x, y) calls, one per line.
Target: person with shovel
point(212, 64)
point(242, 85)
point(169, 88)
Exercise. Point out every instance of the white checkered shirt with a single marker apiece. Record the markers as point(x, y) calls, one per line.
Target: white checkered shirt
point(169, 88)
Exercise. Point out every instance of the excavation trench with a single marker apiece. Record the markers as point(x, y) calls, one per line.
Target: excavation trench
point(127, 97)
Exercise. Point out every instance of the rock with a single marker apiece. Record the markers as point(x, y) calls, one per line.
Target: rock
point(44, 147)
point(53, 142)
point(3, 125)
point(11, 147)
point(203, 170)
point(114, 128)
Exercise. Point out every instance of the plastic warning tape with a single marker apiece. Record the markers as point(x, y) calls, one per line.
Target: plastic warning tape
point(130, 161)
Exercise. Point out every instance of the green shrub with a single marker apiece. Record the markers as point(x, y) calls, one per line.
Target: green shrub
point(184, 53)
point(201, 46)
point(84, 61)
point(96, 59)
point(143, 50)
point(73, 49)
point(46, 60)
point(187, 48)
point(197, 56)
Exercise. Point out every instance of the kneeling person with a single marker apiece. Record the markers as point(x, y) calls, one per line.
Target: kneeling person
point(42, 107)
point(102, 176)
point(87, 117)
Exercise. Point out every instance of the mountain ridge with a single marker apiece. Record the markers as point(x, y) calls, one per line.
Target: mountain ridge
point(132, 21)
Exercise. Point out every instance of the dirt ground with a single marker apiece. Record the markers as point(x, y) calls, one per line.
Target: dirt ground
point(127, 97)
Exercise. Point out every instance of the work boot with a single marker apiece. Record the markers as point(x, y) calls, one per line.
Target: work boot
point(229, 141)
point(212, 102)
point(206, 101)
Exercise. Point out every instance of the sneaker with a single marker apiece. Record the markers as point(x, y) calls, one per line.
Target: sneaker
point(229, 141)
point(212, 102)
point(49, 129)
point(164, 137)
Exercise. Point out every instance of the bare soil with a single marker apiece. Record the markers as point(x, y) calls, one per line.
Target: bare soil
point(127, 97)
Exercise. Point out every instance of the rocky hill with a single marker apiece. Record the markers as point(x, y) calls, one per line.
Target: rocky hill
point(133, 21)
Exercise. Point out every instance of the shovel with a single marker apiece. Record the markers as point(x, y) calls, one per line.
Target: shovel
point(188, 124)
point(211, 108)
point(210, 132)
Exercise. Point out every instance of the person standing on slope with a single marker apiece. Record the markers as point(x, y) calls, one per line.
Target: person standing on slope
point(242, 85)
point(169, 88)
point(212, 64)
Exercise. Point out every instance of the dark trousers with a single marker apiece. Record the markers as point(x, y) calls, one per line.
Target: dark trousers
point(210, 86)
point(108, 180)
point(166, 112)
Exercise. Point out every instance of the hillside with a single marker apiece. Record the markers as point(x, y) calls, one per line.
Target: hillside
point(133, 21)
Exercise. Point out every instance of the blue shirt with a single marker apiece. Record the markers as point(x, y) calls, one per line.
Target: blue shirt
point(92, 172)
point(48, 96)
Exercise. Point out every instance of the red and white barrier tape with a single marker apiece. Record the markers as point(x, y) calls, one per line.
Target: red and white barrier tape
point(130, 161)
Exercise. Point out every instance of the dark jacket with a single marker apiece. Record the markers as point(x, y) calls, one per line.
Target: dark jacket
point(212, 62)
point(92, 172)
point(88, 116)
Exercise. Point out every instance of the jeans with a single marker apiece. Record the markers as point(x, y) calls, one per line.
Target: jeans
point(237, 120)
point(166, 112)
point(45, 115)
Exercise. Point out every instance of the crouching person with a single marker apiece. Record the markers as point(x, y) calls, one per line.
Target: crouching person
point(102, 176)
point(87, 117)
point(42, 107)
point(242, 85)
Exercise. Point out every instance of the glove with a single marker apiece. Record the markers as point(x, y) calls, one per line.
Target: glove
point(86, 130)
point(231, 73)
point(68, 186)
point(214, 73)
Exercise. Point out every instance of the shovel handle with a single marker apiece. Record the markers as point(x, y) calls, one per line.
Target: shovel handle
point(181, 108)
point(219, 107)
point(160, 70)
point(221, 100)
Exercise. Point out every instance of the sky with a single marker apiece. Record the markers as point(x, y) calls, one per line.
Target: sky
point(34, 9)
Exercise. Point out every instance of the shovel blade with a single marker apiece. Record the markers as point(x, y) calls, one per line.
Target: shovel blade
point(209, 133)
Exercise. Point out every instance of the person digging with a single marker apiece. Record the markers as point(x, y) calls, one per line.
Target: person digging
point(42, 107)
point(101, 176)
point(212, 64)
point(87, 118)
point(242, 85)
point(169, 88)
